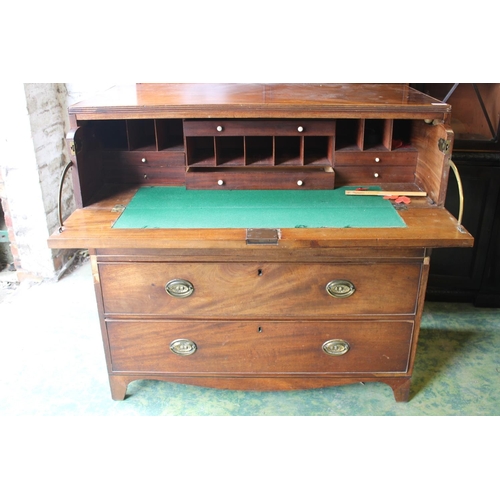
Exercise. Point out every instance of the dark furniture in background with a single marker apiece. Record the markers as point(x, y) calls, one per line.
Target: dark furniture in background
point(471, 274)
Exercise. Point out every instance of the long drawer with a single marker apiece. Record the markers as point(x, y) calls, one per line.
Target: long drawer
point(259, 348)
point(258, 127)
point(275, 178)
point(259, 290)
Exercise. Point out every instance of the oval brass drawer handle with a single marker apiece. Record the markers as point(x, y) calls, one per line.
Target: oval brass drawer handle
point(336, 347)
point(183, 347)
point(179, 288)
point(340, 288)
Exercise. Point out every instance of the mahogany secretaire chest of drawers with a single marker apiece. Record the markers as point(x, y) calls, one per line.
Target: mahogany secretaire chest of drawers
point(239, 236)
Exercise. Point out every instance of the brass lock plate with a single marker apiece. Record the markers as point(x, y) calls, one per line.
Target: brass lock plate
point(262, 236)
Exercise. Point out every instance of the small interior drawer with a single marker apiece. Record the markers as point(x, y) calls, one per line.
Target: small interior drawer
point(354, 175)
point(159, 159)
point(144, 167)
point(406, 157)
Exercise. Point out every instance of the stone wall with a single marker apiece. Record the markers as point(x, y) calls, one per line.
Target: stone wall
point(33, 126)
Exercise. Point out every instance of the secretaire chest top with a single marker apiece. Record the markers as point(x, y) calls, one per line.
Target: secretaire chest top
point(260, 100)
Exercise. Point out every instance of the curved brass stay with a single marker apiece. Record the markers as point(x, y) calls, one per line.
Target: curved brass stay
point(460, 192)
point(340, 289)
point(183, 347)
point(336, 347)
point(179, 288)
point(59, 196)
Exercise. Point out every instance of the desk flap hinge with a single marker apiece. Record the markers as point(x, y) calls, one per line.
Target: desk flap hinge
point(444, 145)
point(263, 236)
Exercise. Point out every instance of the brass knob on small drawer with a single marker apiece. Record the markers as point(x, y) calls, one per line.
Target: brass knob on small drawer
point(340, 289)
point(335, 347)
point(183, 347)
point(377, 160)
point(300, 182)
point(220, 128)
point(220, 182)
point(179, 288)
point(144, 160)
point(300, 129)
point(376, 175)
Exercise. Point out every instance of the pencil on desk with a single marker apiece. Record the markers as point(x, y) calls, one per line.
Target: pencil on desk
point(385, 193)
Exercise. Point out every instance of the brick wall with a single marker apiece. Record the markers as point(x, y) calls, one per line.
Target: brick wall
point(33, 126)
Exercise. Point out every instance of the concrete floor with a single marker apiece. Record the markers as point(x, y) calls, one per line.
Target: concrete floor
point(52, 363)
point(8, 284)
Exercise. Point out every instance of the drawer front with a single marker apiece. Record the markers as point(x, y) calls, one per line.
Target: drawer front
point(241, 178)
point(352, 175)
point(376, 158)
point(148, 167)
point(258, 127)
point(175, 176)
point(133, 159)
point(253, 348)
point(253, 290)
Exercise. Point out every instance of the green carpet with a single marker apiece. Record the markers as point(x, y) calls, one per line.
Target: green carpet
point(177, 207)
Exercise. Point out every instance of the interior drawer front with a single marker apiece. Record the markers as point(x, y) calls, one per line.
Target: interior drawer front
point(257, 290)
point(250, 348)
point(376, 158)
point(143, 159)
point(258, 127)
point(352, 175)
point(171, 176)
point(241, 178)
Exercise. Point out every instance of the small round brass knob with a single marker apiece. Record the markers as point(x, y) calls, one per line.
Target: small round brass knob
point(219, 128)
point(300, 129)
point(300, 183)
point(220, 182)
